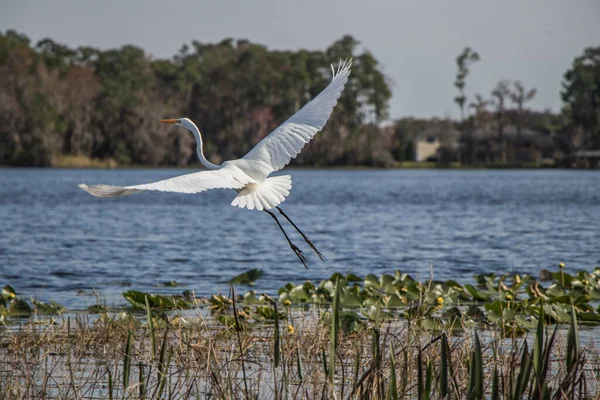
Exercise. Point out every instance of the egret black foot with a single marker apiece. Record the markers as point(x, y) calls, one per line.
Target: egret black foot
point(300, 254)
point(295, 248)
point(306, 239)
point(312, 246)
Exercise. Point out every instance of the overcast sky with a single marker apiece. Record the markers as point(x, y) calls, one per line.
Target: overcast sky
point(416, 42)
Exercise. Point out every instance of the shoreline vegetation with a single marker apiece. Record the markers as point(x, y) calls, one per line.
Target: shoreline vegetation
point(85, 106)
point(83, 162)
point(389, 336)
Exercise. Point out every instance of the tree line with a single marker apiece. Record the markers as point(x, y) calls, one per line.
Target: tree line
point(57, 101)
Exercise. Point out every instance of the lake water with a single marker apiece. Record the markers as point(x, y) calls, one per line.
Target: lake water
point(56, 239)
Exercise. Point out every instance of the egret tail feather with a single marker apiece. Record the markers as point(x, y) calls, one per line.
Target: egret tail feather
point(107, 191)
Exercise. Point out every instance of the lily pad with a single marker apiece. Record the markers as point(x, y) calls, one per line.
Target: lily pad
point(563, 278)
point(475, 313)
point(377, 314)
point(299, 294)
point(589, 316)
point(250, 298)
point(97, 308)
point(476, 294)
point(431, 324)
point(8, 292)
point(50, 308)
point(394, 301)
point(227, 320)
point(247, 278)
point(555, 290)
point(19, 308)
point(266, 313)
point(351, 299)
point(219, 303)
point(351, 322)
point(594, 294)
point(526, 322)
point(171, 283)
point(138, 300)
point(353, 278)
point(451, 313)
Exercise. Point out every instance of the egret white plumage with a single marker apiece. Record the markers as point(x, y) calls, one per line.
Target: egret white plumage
point(249, 175)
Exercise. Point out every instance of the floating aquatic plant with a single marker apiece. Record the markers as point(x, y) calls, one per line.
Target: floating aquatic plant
point(138, 300)
point(247, 278)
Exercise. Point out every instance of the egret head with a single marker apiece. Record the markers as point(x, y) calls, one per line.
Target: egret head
point(185, 122)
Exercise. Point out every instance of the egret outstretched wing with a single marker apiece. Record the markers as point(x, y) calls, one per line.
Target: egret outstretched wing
point(277, 149)
point(227, 177)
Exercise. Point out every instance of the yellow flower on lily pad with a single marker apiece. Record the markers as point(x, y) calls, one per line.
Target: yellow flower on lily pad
point(8, 292)
point(439, 301)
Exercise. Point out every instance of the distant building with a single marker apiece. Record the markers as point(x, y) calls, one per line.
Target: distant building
point(583, 159)
point(436, 143)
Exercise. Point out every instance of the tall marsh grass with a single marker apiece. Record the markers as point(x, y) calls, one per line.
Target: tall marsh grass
point(307, 355)
point(508, 337)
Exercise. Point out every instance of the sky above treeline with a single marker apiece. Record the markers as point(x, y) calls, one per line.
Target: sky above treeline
point(416, 42)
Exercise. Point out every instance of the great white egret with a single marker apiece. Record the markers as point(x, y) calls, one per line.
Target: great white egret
point(249, 175)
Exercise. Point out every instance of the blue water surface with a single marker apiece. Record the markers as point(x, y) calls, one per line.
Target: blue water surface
point(56, 240)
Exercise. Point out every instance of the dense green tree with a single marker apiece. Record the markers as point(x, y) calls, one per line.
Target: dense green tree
point(104, 104)
point(581, 94)
point(28, 107)
point(55, 55)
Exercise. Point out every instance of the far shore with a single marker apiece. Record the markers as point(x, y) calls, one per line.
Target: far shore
point(81, 162)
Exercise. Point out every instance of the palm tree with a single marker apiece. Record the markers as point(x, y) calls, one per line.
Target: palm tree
point(500, 93)
point(519, 97)
point(464, 59)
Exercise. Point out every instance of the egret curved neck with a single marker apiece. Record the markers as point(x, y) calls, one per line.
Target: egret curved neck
point(199, 149)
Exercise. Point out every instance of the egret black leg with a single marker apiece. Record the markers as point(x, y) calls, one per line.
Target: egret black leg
point(312, 246)
point(295, 248)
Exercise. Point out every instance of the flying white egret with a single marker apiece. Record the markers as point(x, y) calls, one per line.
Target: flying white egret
point(249, 175)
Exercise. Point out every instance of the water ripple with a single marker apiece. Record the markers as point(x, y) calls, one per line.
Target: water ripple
point(56, 239)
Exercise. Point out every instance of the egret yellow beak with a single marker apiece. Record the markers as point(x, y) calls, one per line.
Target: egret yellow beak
point(169, 121)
